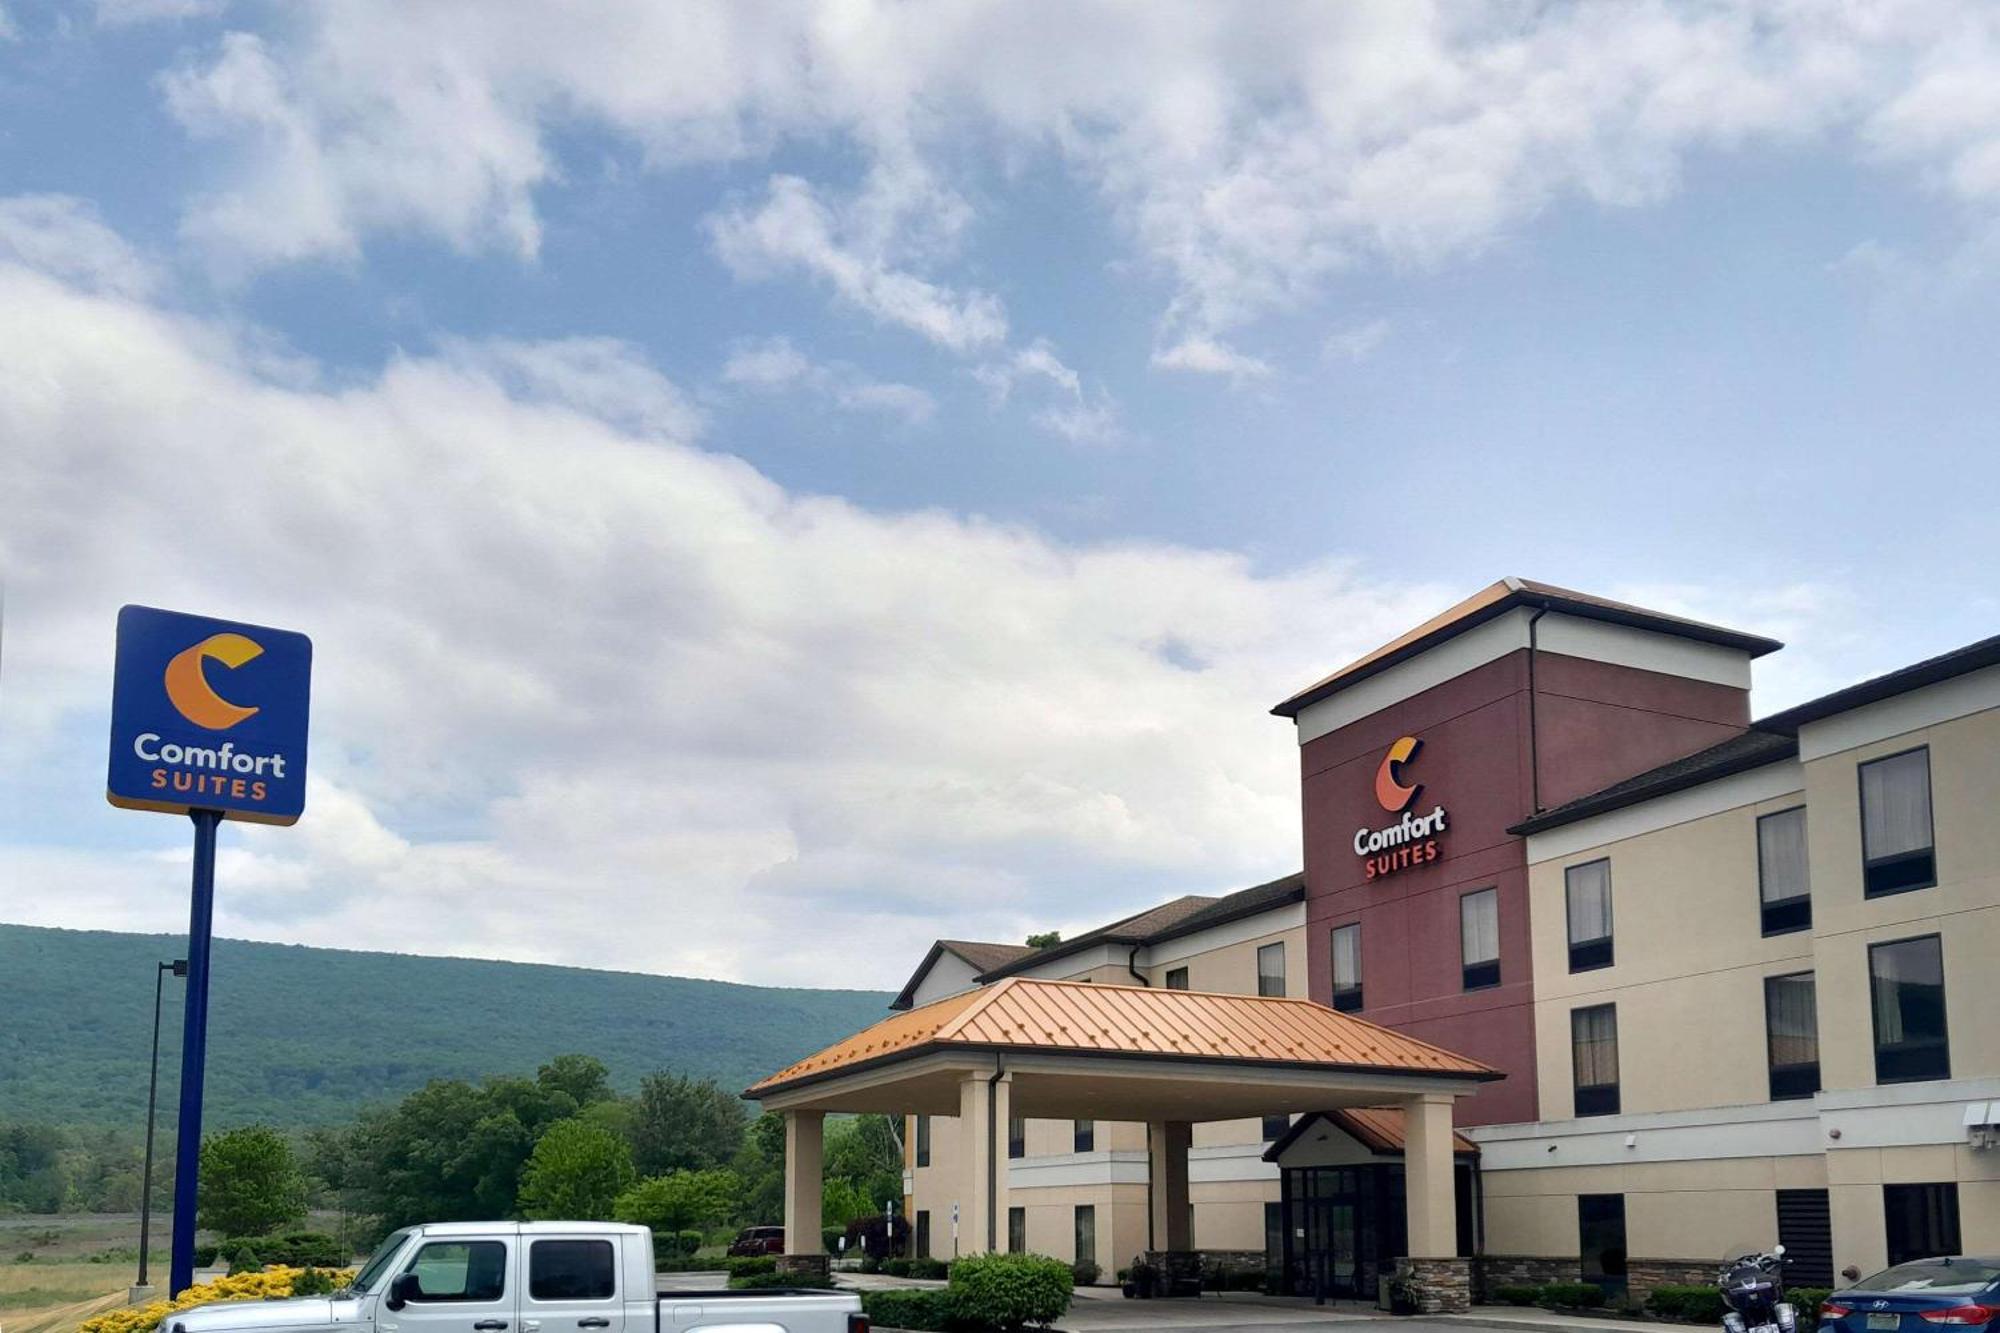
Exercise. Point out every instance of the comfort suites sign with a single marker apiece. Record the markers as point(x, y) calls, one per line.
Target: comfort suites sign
point(1412, 838)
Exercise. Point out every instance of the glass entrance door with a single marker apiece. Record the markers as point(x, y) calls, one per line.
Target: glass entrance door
point(1333, 1231)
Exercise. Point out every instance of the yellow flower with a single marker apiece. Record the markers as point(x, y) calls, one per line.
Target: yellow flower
point(273, 1283)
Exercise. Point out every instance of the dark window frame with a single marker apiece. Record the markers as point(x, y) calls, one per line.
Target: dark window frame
point(921, 1241)
point(1347, 999)
point(1949, 1241)
point(1485, 974)
point(459, 1298)
point(610, 1255)
point(1083, 1136)
point(1264, 950)
point(1017, 1137)
point(1275, 1127)
point(1082, 1211)
point(1902, 872)
point(1597, 952)
point(1798, 1080)
point(1175, 974)
point(923, 1137)
point(1910, 1054)
point(1783, 916)
point(1594, 1099)
point(1017, 1229)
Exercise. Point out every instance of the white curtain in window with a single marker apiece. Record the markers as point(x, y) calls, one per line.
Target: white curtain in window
point(1589, 891)
point(1479, 926)
point(1885, 965)
point(1271, 969)
point(1346, 957)
point(1781, 855)
point(1794, 1019)
point(1896, 805)
point(1594, 1038)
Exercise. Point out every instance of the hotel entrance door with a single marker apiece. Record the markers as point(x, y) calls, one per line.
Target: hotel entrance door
point(1344, 1228)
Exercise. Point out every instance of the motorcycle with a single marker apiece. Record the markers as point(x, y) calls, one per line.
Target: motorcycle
point(1753, 1288)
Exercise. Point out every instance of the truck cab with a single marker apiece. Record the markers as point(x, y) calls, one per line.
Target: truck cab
point(521, 1277)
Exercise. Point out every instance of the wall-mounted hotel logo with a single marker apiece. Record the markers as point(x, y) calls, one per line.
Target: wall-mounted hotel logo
point(1412, 839)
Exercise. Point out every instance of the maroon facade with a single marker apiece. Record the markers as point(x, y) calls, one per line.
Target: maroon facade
point(1493, 753)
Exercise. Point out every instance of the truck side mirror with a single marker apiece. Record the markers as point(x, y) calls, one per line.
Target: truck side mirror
point(406, 1286)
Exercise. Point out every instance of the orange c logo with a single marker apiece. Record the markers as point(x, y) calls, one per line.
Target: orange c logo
point(188, 689)
point(1389, 789)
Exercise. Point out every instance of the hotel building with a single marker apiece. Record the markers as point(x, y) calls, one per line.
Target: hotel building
point(1730, 969)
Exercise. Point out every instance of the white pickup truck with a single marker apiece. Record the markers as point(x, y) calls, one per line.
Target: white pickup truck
point(525, 1277)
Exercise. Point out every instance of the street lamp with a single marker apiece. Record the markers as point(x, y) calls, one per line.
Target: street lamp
point(179, 968)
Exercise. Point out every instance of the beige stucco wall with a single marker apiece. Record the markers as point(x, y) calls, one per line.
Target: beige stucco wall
point(1673, 1210)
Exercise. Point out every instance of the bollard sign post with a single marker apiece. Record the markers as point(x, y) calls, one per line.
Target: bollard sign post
point(208, 720)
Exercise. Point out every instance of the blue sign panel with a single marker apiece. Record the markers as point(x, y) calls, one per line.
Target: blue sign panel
point(209, 715)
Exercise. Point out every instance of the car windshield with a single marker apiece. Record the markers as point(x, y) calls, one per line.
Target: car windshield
point(1935, 1277)
point(371, 1272)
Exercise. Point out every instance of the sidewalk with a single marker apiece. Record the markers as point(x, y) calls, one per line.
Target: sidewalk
point(1526, 1319)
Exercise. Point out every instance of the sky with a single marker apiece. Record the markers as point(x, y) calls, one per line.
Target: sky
point(773, 484)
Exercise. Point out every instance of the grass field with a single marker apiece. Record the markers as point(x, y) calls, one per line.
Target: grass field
point(38, 1286)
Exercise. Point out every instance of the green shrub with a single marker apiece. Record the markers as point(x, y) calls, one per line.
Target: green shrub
point(1698, 1304)
point(245, 1260)
point(1010, 1291)
point(762, 1281)
point(871, 1262)
point(897, 1267)
point(923, 1309)
point(1517, 1295)
point(293, 1249)
point(749, 1265)
point(830, 1238)
point(933, 1270)
point(313, 1282)
point(1808, 1299)
point(1574, 1295)
point(1086, 1273)
point(204, 1255)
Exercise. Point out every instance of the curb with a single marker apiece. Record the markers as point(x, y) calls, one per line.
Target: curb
point(1551, 1324)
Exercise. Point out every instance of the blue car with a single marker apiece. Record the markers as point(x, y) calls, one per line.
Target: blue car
point(1922, 1296)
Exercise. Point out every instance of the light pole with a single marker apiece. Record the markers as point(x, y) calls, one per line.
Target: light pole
point(179, 968)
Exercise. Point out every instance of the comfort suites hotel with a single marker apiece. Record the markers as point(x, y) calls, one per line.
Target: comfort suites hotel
point(1587, 974)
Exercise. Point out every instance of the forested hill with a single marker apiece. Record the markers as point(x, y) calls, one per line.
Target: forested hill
point(301, 1036)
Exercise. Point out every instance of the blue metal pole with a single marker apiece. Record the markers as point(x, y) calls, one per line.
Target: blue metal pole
point(194, 1051)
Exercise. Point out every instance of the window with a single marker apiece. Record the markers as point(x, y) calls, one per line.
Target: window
point(1587, 892)
point(1906, 984)
point(1017, 1136)
point(923, 1140)
point(460, 1270)
point(572, 1270)
point(1347, 967)
point(1600, 1222)
point(1479, 938)
point(1922, 1221)
point(1896, 851)
point(1274, 1235)
point(1593, 1037)
point(1271, 969)
point(1782, 887)
point(1017, 1231)
point(1791, 1035)
point(1085, 1136)
point(1086, 1234)
point(1177, 978)
point(1274, 1127)
point(923, 1234)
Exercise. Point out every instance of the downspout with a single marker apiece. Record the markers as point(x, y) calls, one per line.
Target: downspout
point(1534, 736)
point(994, 1147)
point(1131, 965)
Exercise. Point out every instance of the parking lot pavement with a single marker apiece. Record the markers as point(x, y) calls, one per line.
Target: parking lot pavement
point(1236, 1314)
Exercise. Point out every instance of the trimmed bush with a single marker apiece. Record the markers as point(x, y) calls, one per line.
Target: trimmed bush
point(293, 1249)
point(830, 1238)
point(922, 1309)
point(1808, 1299)
point(204, 1255)
point(1010, 1291)
point(244, 1261)
point(1573, 1295)
point(1517, 1295)
point(933, 1270)
point(763, 1281)
point(1086, 1273)
point(1696, 1304)
point(748, 1265)
point(313, 1282)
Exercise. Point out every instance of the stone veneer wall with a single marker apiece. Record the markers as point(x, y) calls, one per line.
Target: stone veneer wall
point(1490, 1271)
point(1642, 1275)
point(1439, 1286)
point(811, 1265)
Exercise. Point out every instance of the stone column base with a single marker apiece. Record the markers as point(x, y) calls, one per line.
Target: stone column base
point(804, 1265)
point(145, 1295)
point(1438, 1286)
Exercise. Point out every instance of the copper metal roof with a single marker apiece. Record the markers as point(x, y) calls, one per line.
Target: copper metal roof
point(1503, 596)
point(1079, 1018)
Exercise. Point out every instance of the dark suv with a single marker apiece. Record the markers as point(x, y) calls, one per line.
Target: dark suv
point(758, 1240)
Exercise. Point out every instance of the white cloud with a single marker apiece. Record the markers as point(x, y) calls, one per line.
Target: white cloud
point(121, 13)
point(1249, 161)
point(1079, 414)
point(62, 235)
point(774, 365)
point(587, 693)
point(1208, 356)
point(1355, 343)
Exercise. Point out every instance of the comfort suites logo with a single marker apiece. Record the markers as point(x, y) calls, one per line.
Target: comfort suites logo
point(188, 689)
point(1412, 839)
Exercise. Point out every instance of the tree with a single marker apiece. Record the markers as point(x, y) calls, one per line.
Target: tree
point(760, 1165)
point(250, 1183)
point(576, 1172)
point(583, 1077)
point(840, 1202)
point(685, 1124)
point(1048, 939)
point(681, 1200)
point(865, 1152)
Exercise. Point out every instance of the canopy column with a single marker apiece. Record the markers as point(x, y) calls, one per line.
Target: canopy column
point(1440, 1280)
point(984, 1112)
point(1173, 1219)
point(805, 1155)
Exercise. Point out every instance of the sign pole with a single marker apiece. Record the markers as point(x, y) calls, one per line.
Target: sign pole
point(194, 1050)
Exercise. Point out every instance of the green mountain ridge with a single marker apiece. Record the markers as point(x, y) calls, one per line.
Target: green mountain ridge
point(308, 1036)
